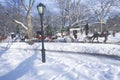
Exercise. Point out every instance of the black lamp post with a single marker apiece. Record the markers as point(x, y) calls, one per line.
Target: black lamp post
point(41, 8)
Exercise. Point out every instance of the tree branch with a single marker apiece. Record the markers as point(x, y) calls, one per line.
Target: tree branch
point(25, 6)
point(18, 22)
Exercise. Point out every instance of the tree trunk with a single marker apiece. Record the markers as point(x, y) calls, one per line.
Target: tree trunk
point(29, 25)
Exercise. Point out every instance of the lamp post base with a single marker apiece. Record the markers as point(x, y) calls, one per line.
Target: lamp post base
point(43, 55)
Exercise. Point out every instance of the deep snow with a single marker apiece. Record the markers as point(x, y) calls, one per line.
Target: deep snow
point(64, 61)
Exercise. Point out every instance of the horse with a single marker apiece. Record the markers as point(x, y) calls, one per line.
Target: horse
point(101, 34)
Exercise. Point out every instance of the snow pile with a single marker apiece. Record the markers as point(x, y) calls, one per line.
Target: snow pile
point(109, 49)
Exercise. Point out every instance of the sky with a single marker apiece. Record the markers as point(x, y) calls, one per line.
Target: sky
point(64, 61)
point(49, 4)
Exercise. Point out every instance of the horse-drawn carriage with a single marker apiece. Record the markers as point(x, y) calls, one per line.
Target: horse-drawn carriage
point(96, 35)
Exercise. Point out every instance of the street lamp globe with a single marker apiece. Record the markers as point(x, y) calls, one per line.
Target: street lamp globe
point(41, 8)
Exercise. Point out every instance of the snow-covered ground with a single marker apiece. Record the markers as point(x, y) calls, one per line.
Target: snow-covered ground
point(64, 61)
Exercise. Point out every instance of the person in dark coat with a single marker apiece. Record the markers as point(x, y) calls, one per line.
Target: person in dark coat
point(86, 29)
point(75, 34)
point(113, 33)
point(106, 33)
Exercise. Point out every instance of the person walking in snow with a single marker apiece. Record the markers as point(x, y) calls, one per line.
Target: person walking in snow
point(86, 29)
point(106, 33)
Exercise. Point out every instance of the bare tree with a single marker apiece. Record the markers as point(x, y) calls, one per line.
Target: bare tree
point(69, 12)
point(10, 10)
point(114, 22)
point(101, 9)
point(3, 20)
point(27, 8)
point(72, 12)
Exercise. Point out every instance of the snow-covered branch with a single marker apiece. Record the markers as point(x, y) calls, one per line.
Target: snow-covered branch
point(18, 22)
